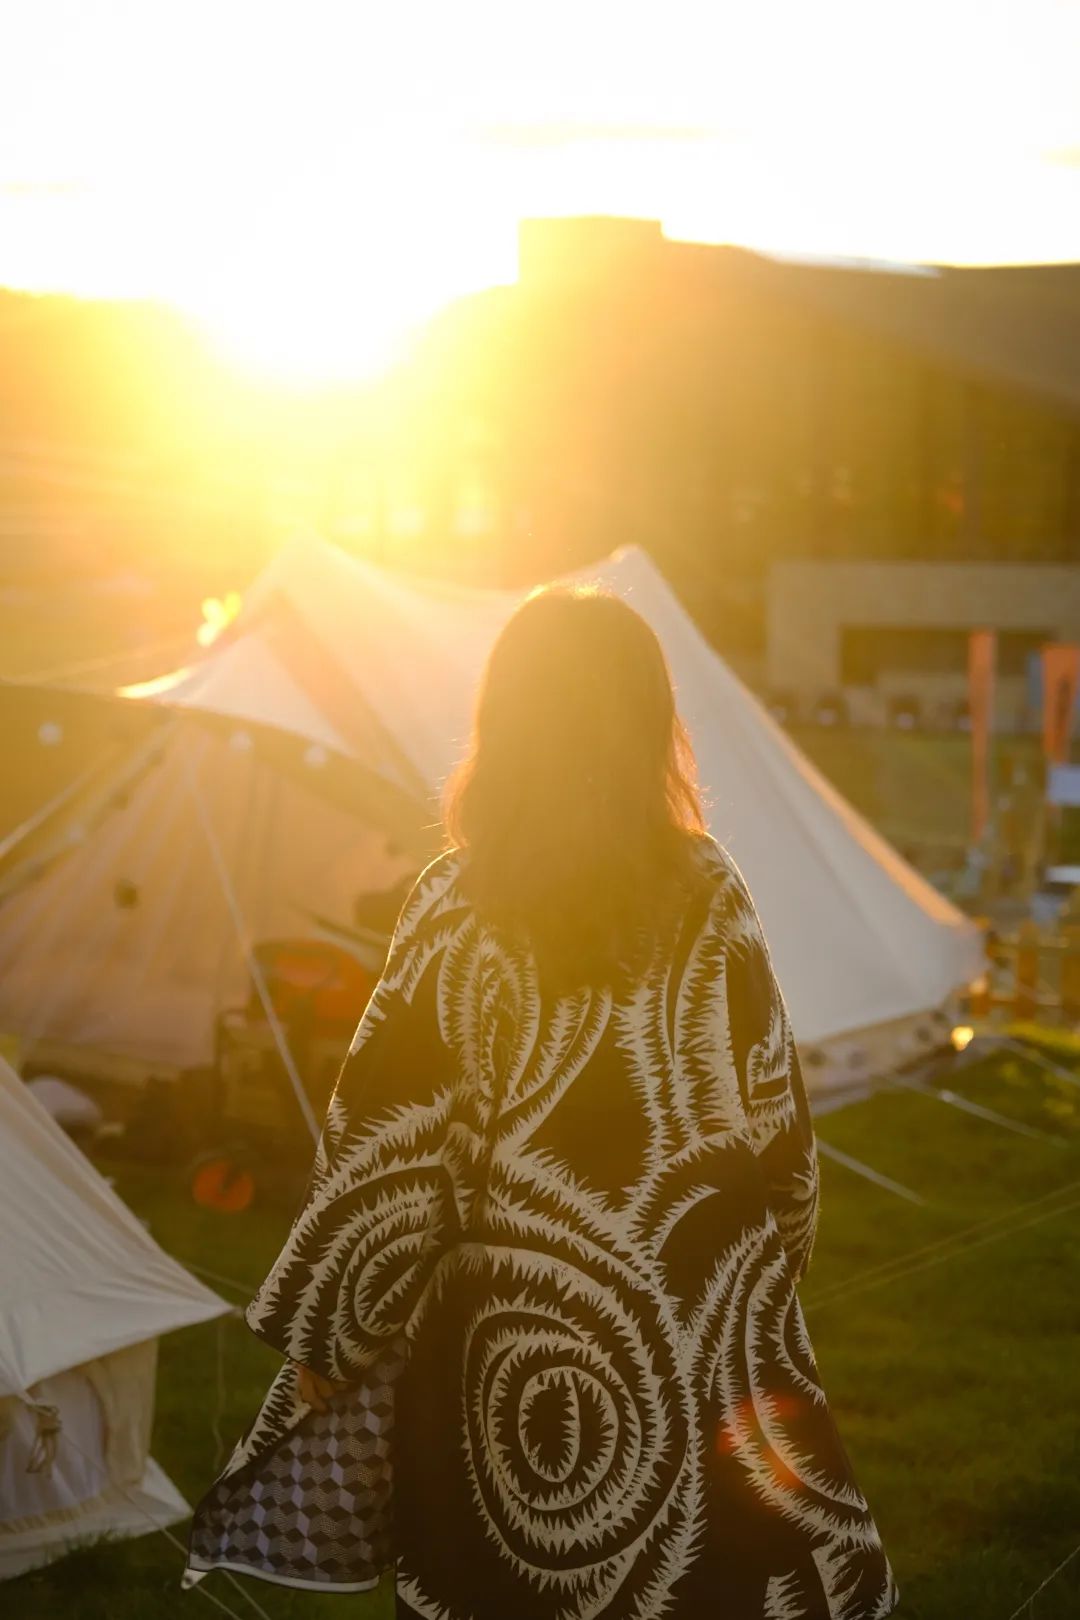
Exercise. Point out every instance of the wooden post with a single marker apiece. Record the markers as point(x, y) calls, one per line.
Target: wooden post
point(1027, 970)
point(980, 991)
point(982, 657)
point(823, 449)
point(926, 539)
point(1070, 527)
point(973, 468)
point(1070, 976)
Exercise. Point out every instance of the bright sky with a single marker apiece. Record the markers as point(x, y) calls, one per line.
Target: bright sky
point(313, 177)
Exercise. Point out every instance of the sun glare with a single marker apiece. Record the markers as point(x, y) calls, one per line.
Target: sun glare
point(312, 215)
point(310, 341)
point(303, 314)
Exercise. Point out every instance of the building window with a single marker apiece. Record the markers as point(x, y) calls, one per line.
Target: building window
point(870, 653)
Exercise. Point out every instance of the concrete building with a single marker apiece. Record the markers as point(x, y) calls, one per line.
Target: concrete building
point(880, 632)
point(732, 412)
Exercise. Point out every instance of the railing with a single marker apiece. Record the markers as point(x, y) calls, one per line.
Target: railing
point(1032, 974)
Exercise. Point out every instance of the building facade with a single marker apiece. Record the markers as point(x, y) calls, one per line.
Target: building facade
point(893, 637)
point(734, 413)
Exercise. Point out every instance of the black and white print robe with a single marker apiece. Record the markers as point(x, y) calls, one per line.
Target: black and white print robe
point(552, 1246)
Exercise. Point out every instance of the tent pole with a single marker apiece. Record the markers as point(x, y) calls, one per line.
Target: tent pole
point(152, 945)
point(253, 968)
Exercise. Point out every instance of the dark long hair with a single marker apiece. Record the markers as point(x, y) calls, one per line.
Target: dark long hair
point(577, 803)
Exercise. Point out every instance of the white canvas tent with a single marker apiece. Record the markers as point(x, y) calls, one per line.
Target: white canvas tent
point(85, 1293)
point(344, 662)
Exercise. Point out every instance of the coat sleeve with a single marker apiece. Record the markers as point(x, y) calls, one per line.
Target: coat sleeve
point(379, 1209)
point(770, 1079)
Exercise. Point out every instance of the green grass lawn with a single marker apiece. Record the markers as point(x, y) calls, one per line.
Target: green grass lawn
point(914, 786)
point(954, 1381)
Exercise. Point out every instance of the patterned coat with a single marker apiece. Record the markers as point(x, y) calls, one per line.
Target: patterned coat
point(552, 1245)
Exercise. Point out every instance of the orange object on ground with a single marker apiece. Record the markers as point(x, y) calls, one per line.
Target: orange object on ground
point(224, 1186)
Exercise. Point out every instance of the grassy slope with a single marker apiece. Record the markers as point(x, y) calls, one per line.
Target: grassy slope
point(955, 1387)
point(914, 787)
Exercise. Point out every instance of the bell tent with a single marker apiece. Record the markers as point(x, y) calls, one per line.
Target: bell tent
point(297, 766)
point(85, 1293)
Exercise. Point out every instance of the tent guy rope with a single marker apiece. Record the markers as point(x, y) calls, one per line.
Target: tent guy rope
point(953, 1100)
point(64, 1438)
point(952, 1238)
point(245, 1290)
point(1027, 1607)
point(827, 1151)
point(1032, 1054)
point(257, 977)
point(877, 1277)
point(87, 666)
point(220, 1390)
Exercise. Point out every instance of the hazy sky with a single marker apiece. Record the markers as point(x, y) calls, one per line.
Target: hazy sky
point(311, 176)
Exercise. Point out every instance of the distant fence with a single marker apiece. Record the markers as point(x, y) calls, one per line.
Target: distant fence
point(1033, 974)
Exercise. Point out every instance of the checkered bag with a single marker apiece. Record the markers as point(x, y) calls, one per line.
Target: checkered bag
point(314, 1507)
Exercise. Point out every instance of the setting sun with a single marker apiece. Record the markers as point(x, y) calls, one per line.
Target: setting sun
point(310, 193)
point(325, 340)
point(336, 269)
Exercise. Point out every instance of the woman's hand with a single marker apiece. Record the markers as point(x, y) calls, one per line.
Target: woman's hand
point(313, 1389)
